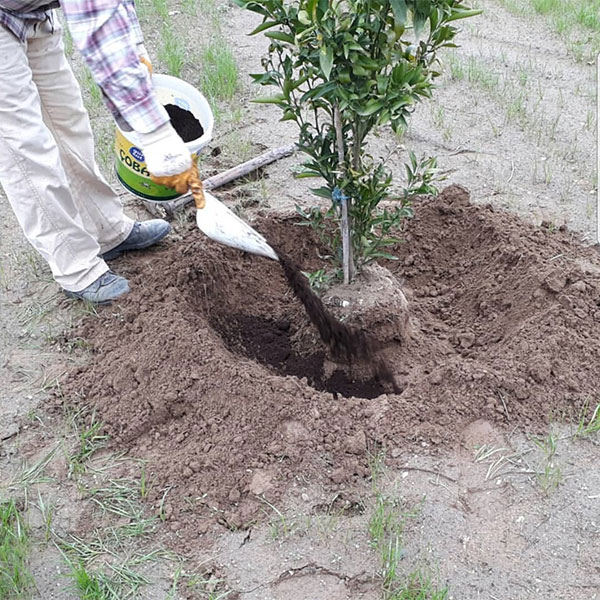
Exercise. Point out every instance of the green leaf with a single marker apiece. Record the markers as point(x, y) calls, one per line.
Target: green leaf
point(399, 8)
point(268, 78)
point(421, 15)
point(419, 23)
point(307, 174)
point(253, 6)
point(372, 107)
point(464, 14)
point(277, 99)
point(289, 115)
point(322, 192)
point(304, 17)
point(318, 92)
point(326, 60)
point(280, 36)
point(301, 212)
point(263, 26)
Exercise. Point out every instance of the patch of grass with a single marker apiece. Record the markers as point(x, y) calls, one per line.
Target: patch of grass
point(480, 73)
point(104, 138)
point(519, 97)
point(190, 7)
point(24, 264)
point(457, 70)
point(577, 21)
point(34, 313)
point(588, 425)
point(442, 122)
point(89, 441)
point(420, 585)
point(88, 585)
point(117, 577)
point(280, 526)
point(202, 586)
point(172, 51)
point(119, 497)
point(34, 474)
point(219, 72)
point(15, 578)
point(549, 473)
point(47, 511)
point(92, 97)
point(385, 522)
point(160, 7)
point(386, 528)
point(67, 41)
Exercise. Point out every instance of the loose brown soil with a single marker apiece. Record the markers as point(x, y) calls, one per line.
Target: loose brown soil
point(184, 123)
point(211, 369)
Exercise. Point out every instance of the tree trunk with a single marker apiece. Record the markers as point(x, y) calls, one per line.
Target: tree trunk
point(347, 259)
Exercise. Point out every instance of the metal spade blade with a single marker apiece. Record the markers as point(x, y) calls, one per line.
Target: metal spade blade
point(222, 225)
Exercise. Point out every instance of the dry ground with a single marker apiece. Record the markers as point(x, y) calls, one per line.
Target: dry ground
point(514, 121)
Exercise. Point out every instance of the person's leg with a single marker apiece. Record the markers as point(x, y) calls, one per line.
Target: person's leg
point(34, 180)
point(65, 116)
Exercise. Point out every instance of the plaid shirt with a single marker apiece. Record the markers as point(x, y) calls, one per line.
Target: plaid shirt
point(106, 32)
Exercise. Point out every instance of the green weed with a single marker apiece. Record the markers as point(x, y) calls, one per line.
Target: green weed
point(47, 511)
point(160, 7)
point(93, 98)
point(420, 585)
point(588, 426)
point(89, 586)
point(319, 280)
point(172, 51)
point(549, 474)
point(89, 441)
point(15, 578)
point(67, 41)
point(34, 474)
point(279, 525)
point(219, 78)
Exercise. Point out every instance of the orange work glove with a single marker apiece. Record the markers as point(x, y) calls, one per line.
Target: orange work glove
point(183, 182)
point(146, 62)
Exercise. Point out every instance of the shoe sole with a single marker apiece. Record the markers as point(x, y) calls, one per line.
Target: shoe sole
point(95, 303)
point(151, 242)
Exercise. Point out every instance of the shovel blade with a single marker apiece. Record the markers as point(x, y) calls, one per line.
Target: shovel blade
point(222, 225)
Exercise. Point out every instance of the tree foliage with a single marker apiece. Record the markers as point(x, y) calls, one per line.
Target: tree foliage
point(357, 64)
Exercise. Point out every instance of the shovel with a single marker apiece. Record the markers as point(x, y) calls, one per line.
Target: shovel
point(222, 225)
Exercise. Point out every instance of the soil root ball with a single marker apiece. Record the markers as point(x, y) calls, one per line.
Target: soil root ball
point(346, 343)
point(374, 302)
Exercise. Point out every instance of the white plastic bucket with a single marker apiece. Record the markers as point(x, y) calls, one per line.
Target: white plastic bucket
point(129, 158)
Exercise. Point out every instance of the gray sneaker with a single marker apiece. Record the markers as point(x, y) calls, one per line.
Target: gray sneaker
point(104, 290)
point(143, 235)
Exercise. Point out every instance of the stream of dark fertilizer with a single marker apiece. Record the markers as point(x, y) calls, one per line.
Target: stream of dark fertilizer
point(347, 344)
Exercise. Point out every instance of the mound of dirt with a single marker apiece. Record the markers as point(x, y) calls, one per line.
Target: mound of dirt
point(208, 370)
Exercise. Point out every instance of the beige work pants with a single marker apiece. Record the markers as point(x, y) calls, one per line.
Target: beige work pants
point(47, 167)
